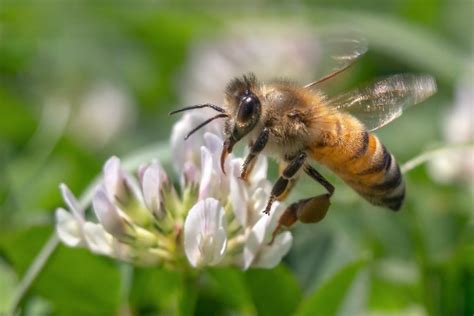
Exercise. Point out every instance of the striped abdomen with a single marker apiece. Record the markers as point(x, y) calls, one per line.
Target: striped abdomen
point(364, 163)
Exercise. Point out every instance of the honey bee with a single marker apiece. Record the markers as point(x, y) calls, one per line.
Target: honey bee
point(296, 124)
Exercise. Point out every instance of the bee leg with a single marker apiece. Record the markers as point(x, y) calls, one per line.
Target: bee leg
point(311, 210)
point(281, 185)
point(314, 209)
point(313, 173)
point(255, 149)
point(291, 184)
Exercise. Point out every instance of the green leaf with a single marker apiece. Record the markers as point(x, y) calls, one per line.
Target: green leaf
point(229, 287)
point(390, 296)
point(20, 246)
point(78, 282)
point(274, 292)
point(330, 297)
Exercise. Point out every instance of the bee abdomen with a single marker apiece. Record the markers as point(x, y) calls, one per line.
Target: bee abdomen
point(367, 166)
point(375, 174)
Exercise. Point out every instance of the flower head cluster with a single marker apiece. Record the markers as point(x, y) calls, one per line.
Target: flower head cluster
point(208, 219)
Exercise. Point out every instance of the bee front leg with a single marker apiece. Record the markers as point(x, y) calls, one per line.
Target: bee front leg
point(284, 182)
point(255, 149)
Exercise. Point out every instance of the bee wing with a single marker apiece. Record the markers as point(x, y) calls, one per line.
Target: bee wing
point(337, 53)
point(381, 102)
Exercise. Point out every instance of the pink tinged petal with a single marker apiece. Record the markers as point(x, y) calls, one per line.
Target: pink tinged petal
point(141, 171)
point(132, 187)
point(190, 175)
point(68, 228)
point(108, 214)
point(213, 142)
point(112, 175)
point(98, 240)
point(153, 179)
point(206, 173)
point(185, 150)
point(114, 180)
point(72, 202)
point(271, 255)
point(205, 236)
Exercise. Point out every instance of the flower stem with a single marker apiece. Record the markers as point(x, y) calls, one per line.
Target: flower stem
point(188, 296)
point(126, 278)
point(33, 271)
point(426, 156)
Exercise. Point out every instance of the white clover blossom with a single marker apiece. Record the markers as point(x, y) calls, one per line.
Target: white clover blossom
point(258, 251)
point(212, 219)
point(205, 236)
point(458, 128)
point(103, 113)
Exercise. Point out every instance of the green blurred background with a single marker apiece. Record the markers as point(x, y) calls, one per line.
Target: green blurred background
point(83, 80)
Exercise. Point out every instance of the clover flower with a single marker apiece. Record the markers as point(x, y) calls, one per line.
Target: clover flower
point(101, 114)
point(208, 219)
point(458, 128)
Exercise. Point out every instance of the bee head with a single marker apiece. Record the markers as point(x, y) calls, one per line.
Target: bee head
point(244, 108)
point(243, 105)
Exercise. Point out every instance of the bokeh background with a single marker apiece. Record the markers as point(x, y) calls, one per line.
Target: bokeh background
point(83, 80)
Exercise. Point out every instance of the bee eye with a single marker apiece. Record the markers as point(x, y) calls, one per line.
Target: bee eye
point(248, 106)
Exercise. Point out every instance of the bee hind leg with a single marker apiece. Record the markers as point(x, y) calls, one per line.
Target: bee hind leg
point(310, 210)
point(313, 173)
point(314, 209)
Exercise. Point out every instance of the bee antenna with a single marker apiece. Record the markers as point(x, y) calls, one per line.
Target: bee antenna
point(204, 124)
point(199, 106)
